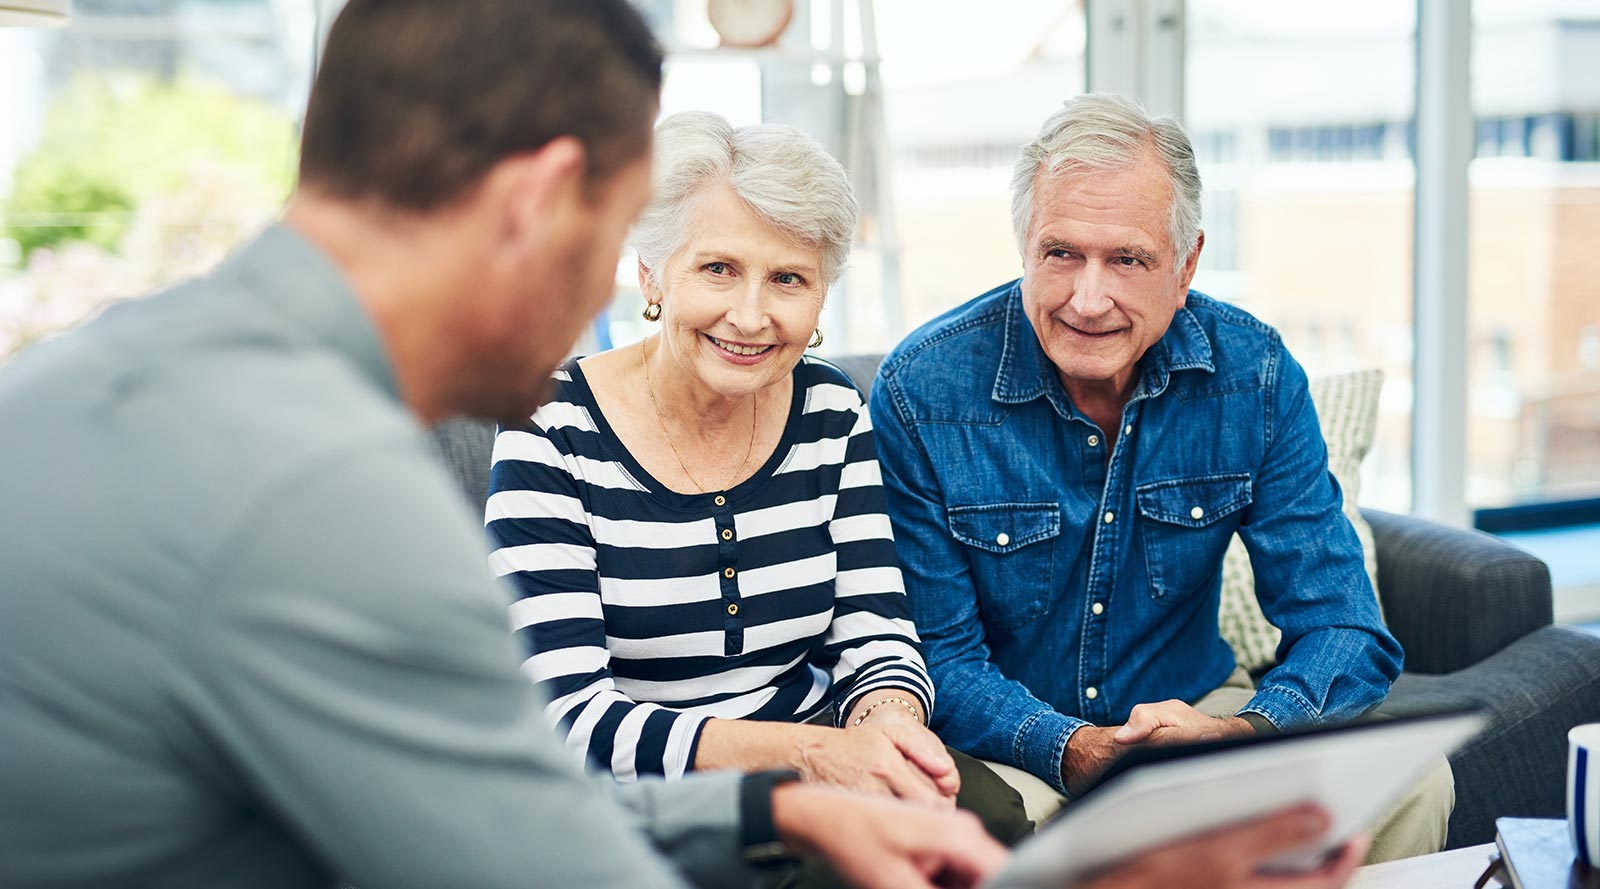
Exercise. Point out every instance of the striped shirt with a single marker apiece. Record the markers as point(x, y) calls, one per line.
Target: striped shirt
point(649, 611)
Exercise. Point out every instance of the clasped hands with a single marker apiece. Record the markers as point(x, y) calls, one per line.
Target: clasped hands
point(889, 753)
point(1092, 749)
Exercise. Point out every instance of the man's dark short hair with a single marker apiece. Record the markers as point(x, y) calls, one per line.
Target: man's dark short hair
point(415, 100)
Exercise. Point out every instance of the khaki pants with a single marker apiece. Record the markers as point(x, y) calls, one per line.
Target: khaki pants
point(1416, 825)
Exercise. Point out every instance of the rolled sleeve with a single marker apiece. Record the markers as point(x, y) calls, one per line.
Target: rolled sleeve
point(872, 641)
point(1041, 744)
point(1337, 659)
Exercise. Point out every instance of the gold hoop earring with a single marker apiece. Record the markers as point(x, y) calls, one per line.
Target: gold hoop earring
point(816, 339)
point(652, 311)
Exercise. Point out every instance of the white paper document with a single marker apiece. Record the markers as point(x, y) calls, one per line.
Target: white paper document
point(1354, 772)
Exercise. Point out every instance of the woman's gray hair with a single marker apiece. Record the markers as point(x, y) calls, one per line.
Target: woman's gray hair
point(786, 177)
point(1105, 131)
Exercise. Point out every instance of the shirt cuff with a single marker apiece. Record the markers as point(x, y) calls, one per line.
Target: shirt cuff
point(1282, 707)
point(1040, 746)
point(760, 839)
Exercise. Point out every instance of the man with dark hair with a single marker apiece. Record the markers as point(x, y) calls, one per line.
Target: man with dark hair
point(247, 632)
point(414, 105)
point(247, 635)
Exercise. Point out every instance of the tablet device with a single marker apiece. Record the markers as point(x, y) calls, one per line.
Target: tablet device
point(1159, 794)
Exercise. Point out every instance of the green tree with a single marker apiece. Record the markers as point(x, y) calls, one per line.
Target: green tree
point(112, 143)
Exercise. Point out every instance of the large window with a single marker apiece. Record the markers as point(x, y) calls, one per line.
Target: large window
point(142, 143)
point(1302, 122)
point(1533, 407)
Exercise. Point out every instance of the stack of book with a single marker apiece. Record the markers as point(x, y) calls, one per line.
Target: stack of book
point(1536, 853)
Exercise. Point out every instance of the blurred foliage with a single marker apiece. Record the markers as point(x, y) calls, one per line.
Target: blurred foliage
point(134, 184)
point(110, 144)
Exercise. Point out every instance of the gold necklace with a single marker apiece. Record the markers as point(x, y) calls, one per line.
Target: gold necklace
point(644, 362)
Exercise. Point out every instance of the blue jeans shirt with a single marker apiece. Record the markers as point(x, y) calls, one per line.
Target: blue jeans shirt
point(1057, 585)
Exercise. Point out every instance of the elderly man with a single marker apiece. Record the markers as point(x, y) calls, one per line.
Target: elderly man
point(247, 637)
point(1066, 458)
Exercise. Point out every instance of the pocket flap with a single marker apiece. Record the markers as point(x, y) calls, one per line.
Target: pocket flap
point(1003, 527)
point(1194, 502)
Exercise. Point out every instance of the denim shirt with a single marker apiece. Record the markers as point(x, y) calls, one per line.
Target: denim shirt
point(1059, 576)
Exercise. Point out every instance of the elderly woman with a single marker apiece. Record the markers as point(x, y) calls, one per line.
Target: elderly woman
point(695, 523)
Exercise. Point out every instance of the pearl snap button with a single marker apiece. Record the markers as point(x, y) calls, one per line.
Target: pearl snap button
point(1196, 513)
point(1002, 539)
point(1091, 692)
point(1094, 440)
point(1110, 517)
point(1098, 608)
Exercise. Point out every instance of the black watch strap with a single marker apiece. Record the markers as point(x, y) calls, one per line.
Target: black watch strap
point(762, 844)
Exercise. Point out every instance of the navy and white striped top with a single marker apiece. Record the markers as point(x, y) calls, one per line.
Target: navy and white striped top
point(649, 611)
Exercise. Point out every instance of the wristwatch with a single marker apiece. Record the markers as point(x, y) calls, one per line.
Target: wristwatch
point(762, 845)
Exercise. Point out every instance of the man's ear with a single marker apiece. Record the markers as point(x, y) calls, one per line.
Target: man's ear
point(535, 192)
point(1193, 262)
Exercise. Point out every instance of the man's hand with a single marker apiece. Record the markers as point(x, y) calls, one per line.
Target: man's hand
point(1090, 750)
point(1172, 722)
point(1231, 858)
point(880, 843)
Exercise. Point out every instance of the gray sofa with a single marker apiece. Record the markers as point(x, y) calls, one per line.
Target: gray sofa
point(1474, 616)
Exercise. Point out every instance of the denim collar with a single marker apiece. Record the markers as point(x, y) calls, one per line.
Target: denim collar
point(1025, 372)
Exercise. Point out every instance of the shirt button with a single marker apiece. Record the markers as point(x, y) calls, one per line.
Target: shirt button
point(728, 573)
point(721, 500)
point(1110, 517)
point(1091, 692)
point(1098, 608)
point(1094, 440)
point(733, 608)
point(727, 533)
point(1196, 513)
point(1127, 430)
point(1002, 539)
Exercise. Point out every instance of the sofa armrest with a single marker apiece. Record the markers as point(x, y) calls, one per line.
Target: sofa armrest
point(860, 368)
point(1532, 691)
point(1453, 596)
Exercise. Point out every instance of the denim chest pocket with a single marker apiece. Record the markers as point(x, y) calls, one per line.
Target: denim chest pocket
point(1186, 525)
point(1011, 547)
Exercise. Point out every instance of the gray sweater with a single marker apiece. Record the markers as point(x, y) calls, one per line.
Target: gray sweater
point(247, 634)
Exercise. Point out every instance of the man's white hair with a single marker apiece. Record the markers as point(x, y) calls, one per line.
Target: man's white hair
point(1105, 131)
point(785, 176)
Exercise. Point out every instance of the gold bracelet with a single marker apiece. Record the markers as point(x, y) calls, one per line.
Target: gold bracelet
point(915, 713)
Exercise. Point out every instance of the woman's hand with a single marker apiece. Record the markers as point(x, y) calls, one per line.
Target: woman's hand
point(890, 753)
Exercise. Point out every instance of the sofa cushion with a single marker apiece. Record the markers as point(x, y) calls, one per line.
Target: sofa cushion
point(1347, 410)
